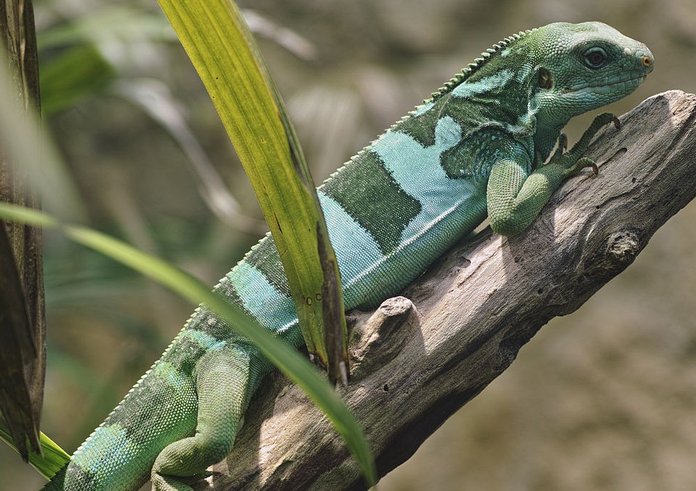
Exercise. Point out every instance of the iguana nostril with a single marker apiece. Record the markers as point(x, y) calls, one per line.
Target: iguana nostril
point(647, 61)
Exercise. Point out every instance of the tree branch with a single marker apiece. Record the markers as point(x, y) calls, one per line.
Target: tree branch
point(475, 309)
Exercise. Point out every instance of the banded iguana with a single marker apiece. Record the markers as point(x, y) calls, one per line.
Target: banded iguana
point(478, 147)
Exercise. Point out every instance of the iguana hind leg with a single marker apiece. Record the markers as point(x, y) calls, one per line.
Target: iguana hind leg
point(222, 383)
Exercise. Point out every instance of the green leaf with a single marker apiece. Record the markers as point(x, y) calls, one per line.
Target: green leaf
point(222, 50)
point(288, 360)
point(52, 457)
point(18, 353)
point(78, 72)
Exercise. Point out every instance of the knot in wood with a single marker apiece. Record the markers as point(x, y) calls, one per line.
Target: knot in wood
point(611, 256)
point(623, 247)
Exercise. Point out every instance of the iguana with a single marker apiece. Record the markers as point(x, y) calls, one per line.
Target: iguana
point(480, 146)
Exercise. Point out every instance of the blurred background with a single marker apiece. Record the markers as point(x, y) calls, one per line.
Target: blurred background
point(604, 399)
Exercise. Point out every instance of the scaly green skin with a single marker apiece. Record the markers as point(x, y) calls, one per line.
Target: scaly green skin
point(478, 147)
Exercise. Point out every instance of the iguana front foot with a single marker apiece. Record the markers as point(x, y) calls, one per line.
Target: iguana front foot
point(573, 160)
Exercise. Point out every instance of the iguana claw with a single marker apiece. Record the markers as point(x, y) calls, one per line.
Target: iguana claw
point(597, 124)
point(585, 162)
point(572, 160)
point(561, 146)
point(563, 141)
point(617, 123)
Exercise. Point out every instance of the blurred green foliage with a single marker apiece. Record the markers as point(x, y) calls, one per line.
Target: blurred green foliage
point(76, 73)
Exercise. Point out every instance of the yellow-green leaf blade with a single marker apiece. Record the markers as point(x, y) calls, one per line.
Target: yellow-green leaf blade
point(222, 50)
point(52, 457)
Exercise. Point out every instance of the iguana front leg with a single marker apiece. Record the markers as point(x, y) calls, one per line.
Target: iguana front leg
point(515, 196)
point(222, 382)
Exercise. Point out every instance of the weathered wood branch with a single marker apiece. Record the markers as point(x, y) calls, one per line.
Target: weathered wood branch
point(415, 366)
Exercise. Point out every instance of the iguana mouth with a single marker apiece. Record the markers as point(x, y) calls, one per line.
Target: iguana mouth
point(629, 78)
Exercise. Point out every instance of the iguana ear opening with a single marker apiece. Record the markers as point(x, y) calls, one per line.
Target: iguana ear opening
point(544, 78)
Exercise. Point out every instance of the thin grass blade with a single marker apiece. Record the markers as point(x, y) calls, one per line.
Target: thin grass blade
point(287, 359)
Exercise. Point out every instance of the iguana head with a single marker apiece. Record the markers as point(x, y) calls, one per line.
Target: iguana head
point(581, 67)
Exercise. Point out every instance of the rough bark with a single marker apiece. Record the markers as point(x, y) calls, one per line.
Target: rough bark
point(417, 361)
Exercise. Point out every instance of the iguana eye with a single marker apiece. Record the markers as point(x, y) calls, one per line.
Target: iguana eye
point(595, 58)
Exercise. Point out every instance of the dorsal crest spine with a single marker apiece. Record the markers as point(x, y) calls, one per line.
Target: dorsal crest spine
point(471, 68)
point(442, 91)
